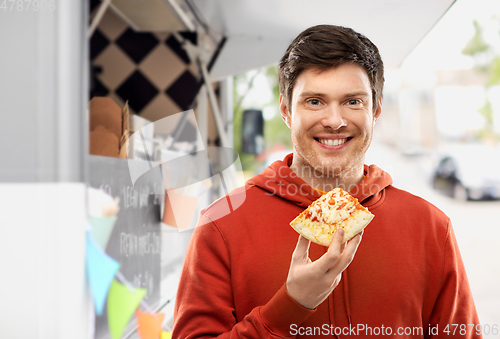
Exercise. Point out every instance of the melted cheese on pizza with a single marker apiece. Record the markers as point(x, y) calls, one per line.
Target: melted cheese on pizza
point(335, 209)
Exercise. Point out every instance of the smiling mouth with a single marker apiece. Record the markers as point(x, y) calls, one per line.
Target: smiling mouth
point(333, 142)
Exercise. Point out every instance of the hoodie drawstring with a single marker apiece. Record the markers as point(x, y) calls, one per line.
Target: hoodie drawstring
point(332, 316)
point(346, 297)
point(347, 306)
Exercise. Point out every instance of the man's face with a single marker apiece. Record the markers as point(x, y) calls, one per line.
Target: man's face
point(331, 118)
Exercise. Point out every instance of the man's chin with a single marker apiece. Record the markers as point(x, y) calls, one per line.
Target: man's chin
point(328, 169)
point(318, 166)
point(331, 169)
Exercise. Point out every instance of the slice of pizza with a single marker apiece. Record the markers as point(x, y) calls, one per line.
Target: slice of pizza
point(333, 210)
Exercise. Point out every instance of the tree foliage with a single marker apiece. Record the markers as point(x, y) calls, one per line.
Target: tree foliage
point(275, 130)
point(476, 44)
point(487, 61)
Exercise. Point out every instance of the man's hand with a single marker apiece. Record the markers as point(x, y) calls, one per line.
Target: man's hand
point(309, 283)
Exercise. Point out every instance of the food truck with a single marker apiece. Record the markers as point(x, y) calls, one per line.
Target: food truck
point(134, 99)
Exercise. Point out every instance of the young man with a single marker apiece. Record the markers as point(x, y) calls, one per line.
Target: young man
point(246, 276)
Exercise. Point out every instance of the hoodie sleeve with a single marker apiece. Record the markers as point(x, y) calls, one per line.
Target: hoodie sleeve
point(204, 306)
point(454, 309)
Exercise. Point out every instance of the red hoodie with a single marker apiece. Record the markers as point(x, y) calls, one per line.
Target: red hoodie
point(407, 278)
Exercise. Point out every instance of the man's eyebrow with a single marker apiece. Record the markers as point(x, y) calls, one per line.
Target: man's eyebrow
point(357, 94)
point(312, 94)
point(319, 94)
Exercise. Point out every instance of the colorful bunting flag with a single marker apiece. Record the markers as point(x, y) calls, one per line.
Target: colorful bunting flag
point(149, 324)
point(101, 270)
point(101, 229)
point(166, 335)
point(122, 302)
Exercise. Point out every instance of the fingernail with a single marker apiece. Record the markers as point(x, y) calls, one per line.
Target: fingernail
point(341, 231)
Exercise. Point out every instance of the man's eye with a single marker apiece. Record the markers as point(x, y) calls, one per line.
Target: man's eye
point(314, 102)
point(353, 102)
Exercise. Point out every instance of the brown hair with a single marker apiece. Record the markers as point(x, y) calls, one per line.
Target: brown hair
point(326, 46)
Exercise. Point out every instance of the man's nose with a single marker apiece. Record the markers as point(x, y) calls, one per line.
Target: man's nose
point(333, 118)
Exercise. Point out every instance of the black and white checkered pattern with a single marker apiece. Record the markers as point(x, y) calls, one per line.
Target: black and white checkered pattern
point(150, 70)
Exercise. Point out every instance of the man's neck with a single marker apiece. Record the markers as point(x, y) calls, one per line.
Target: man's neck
point(346, 178)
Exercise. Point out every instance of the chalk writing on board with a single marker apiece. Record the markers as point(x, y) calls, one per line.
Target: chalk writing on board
point(136, 238)
point(134, 199)
point(139, 245)
point(144, 280)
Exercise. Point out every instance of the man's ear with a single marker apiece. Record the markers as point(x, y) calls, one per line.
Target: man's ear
point(285, 115)
point(378, 111)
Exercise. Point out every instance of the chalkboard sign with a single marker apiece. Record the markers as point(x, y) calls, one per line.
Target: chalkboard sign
point(136, 239)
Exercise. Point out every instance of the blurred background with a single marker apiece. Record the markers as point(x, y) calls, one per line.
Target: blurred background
point(438, 136)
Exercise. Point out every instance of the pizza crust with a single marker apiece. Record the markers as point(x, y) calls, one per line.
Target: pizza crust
point(323, 218)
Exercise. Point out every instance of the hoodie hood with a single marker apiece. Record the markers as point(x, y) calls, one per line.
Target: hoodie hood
point(280, 180)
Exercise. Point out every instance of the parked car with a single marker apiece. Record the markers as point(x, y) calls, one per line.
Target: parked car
point(469, 172)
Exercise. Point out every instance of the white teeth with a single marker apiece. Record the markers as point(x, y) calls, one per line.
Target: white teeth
point(334, 142)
